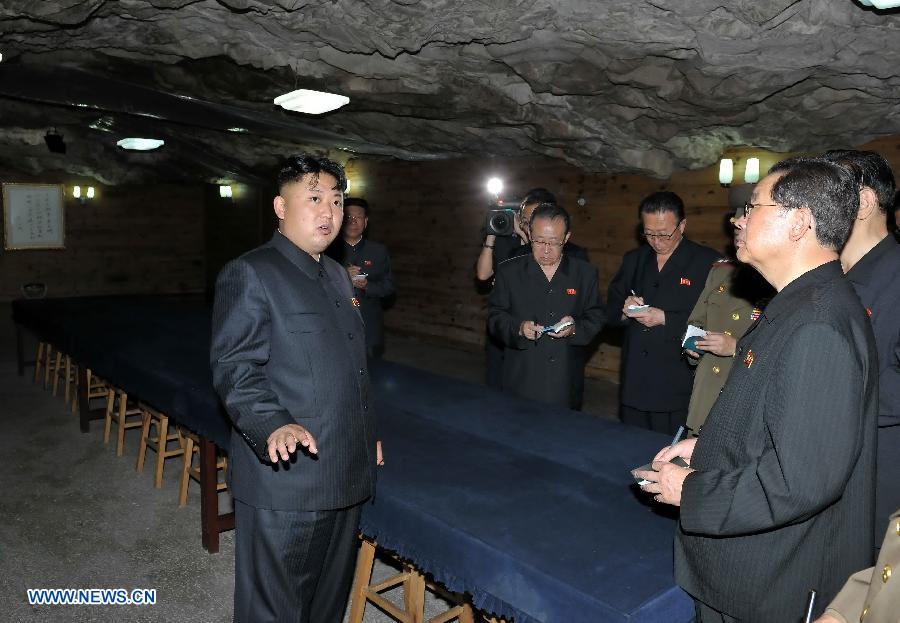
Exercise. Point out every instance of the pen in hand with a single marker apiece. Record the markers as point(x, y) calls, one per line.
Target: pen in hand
point(810, 606)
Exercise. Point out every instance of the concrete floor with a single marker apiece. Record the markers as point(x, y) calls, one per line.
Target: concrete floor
point(73, 515)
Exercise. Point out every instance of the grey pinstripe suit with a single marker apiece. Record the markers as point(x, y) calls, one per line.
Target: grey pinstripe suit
point(782, 500)
point(288, 346)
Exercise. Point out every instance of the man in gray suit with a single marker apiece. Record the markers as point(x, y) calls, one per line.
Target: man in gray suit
point(289, 362)
point(779, 495)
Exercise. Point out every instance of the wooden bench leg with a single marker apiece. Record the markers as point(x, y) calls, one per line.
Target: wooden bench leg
point(39, 361)
point(186, 469)
point(48, 353)
point(414, 595)
point(361, 580)
point(162, 444)
point(145, 434)
point(107, 422)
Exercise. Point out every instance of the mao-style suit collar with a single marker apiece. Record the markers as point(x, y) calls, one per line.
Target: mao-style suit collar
point(864, 272)
point(784, 301)
point(297, 256)
point(534, 269)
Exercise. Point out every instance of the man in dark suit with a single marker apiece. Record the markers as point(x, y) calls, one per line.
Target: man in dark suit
point(668, 274)
point(779, 495)
point(369, 267)
point(289, 362)
point(871, 261)
point(538, 290)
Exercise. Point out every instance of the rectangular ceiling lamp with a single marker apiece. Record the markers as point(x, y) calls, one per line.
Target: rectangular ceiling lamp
point(311, 102)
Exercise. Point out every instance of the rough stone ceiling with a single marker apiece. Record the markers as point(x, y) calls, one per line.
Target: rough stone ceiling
point(610, 86)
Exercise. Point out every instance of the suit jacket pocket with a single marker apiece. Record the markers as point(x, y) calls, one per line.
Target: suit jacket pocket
point(307, 322)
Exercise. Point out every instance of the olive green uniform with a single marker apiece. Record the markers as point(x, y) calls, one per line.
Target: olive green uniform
point(873, 595)
point(728, 304)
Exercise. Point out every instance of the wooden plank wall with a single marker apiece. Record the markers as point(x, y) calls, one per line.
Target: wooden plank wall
point(129, 239)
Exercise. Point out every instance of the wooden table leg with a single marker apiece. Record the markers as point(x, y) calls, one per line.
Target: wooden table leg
point(84, 403)
point(361, 580)
point(211, 522)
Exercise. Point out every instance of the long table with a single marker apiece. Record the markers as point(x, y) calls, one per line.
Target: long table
point(529, 509)
point(155, 348)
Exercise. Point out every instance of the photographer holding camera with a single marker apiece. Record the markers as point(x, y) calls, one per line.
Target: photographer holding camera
point(496, 248)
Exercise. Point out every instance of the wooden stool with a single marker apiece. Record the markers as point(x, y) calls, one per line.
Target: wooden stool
point(191, 447)
point(414, 585)
point(97, 388)
point(125, 417)
point(159, 443)
point(50, 364)
point(67, 370)
point(39, 360)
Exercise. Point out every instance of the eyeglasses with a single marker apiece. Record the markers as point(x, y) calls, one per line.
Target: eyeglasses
point(354, 219)
point(650, 236)
point(749, 207)
point(541, 244)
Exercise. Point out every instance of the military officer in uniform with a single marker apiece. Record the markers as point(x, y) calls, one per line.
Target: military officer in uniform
point(728, 305)
point(668, 274)
point(534, 291)
point(872, 595)
point(369, 267)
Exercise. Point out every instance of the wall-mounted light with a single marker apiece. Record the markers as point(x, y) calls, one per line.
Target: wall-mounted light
point(225, 191)
point(85, 197)
point(751, 171)
point(726, 171)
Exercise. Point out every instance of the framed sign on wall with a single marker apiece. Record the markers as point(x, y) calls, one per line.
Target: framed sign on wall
point(33, 216)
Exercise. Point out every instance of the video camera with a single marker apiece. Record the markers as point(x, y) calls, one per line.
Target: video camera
point(500, 219)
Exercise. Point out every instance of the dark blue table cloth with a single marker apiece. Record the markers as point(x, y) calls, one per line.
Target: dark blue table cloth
point(156, 348)
point(528, 508)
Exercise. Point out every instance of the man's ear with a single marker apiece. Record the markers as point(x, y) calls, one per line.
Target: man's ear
point(801, 222)
point(682, 224)
point(278, 205)
point(566, 239)
point(868, 203)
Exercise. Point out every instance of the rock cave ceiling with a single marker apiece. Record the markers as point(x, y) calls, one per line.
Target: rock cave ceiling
point(609, 86)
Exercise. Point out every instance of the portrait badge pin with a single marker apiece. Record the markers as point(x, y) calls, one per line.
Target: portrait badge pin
point(684, 281)
point(367, 262)
point(355, 301)
point(571, 291)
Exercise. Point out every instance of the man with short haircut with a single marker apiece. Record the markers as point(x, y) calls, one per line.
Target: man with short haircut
point(668, 274)
point(289, 363)
point(369, 267)
point(779, 494)
point(539, 290)
point(871, 261)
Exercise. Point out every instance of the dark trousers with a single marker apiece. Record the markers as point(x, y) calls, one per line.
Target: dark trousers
point(659, 421)
point(705, 614)
point(293, 566)
point(493, 363)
